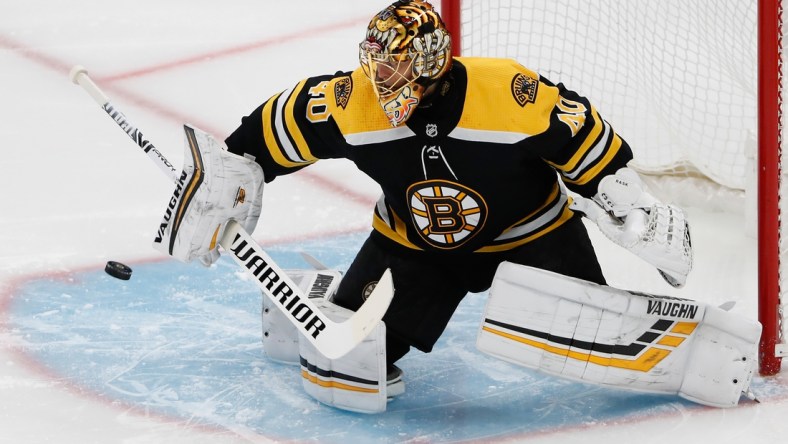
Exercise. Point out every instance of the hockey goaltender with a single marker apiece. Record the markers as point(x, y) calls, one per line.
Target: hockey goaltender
point(486, 170)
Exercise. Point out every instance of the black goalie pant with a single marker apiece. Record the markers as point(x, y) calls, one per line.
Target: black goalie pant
point(429, 287)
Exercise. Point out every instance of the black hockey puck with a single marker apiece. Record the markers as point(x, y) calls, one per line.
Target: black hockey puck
point(118, 270)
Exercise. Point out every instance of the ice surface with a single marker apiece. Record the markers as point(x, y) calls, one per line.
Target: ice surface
point(174, 354)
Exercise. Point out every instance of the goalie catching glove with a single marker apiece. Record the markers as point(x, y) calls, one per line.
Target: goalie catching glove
point(632, 218)
point(214, 187)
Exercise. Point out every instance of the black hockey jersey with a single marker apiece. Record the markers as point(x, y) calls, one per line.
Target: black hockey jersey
point(479, 168)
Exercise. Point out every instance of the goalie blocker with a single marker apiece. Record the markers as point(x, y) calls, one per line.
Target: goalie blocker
point(216, 202)
point(597, 334)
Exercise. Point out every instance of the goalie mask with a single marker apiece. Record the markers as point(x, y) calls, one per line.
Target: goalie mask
point(407, 48)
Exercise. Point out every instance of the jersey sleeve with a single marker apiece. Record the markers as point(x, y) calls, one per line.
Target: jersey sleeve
point(580, 144)
point(289, 131)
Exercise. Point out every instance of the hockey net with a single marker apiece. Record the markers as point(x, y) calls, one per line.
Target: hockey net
point(679, 79)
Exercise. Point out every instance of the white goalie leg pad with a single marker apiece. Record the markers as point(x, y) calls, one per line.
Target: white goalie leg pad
point(357, 380)
point(214, 187)
point(722, 362)
point(598, 334)
point(280, 336)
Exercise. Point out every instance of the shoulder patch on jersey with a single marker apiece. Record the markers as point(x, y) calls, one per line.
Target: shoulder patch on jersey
point(527, 103)
point(342, 90)
point(352, 103)
point(524, 89)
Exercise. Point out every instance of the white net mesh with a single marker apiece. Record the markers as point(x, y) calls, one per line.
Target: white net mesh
point(676, 78)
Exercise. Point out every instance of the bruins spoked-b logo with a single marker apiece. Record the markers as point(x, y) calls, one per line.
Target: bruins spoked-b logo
point(446, 214)
point(524, 89)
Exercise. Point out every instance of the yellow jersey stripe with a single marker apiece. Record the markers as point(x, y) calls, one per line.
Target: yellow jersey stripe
point(292, 127)
point(551, 200)
point(592, 173)
point(396, 234)
point(565, 216)
point(269, 127)
point(585, 146)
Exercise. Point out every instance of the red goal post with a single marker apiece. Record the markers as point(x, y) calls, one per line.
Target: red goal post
point(702, 77)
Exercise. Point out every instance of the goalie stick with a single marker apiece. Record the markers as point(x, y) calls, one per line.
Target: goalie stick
point(332, 339)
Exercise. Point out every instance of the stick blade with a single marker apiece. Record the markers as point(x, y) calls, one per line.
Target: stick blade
point(375, 306)
point(336, 338)
point(345, 336)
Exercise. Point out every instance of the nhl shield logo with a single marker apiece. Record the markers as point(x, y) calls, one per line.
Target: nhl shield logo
point(432, 130)
point(524, 89)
